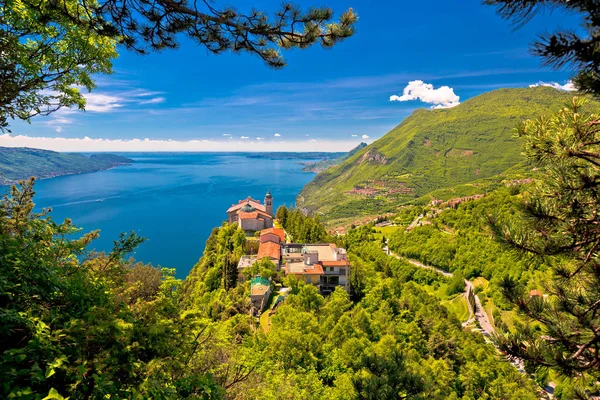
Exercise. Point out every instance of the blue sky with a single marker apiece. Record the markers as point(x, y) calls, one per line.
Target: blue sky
point(325, 99)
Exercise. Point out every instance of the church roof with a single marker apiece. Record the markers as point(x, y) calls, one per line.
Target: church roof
point(254, 203)
point(248, 215)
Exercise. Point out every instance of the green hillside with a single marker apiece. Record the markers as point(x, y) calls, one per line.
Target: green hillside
point(18, 163)
point(428, 151)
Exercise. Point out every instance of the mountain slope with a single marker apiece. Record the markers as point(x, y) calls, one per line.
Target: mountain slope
point(18, 163)
point(429, 150)
point(322, 165)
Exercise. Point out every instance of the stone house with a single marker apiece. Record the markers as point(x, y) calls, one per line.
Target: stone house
point(323, 265)
point(260, 290)
point(251, 215)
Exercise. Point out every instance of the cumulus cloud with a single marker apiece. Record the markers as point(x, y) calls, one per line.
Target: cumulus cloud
point(365, 136)
point(277, 135)
point(59, 129)
point(87, 144)
point(354, 135)
point(101, 103)
point(442, 97)
point(227, 134)
point(567, 87)
point(259, 138)
point(244, 137)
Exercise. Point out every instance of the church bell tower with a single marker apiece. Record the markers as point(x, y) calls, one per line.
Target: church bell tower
point(269, 203)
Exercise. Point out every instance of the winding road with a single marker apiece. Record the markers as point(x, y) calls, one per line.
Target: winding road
point(478, 314)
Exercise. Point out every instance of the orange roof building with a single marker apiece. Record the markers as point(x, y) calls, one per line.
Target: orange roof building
point(272, 234)
point(322, 265)
point(271, 250)
point(251, 215)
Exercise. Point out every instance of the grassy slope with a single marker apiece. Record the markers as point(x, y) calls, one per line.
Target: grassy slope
point(430, 150)
point(22, 163)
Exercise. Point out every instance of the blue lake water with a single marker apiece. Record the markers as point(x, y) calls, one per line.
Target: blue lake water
point(174, 200)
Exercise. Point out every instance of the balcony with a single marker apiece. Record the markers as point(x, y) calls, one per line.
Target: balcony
point(341, 272)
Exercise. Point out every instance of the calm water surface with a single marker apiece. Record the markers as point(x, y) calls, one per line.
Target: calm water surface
point(174, 200)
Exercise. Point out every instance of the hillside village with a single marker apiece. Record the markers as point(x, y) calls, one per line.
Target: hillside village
point(323, 265)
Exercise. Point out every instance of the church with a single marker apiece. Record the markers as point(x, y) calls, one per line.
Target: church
point(251, 215)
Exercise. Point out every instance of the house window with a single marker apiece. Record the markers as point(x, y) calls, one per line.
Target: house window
point(331, 269)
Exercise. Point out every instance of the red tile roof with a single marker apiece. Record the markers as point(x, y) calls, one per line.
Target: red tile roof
point(315, 269)
point(248, 215)
point(535, 293)
point(274, 231)
point(269, 249)
point(254, 203)
point(341, 263)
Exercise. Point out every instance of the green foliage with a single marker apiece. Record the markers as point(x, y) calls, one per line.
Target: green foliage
point(22, 163)
point(46, 56)
point(211, 285)
point(461, 241)
point(263, 268)
point(559, 223)
point(106, 327)
point(302, 228)
point(428, 151)
point(85, 325)
point(456, 284)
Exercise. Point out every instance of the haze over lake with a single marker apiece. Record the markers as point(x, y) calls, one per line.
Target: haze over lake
point(172, 199)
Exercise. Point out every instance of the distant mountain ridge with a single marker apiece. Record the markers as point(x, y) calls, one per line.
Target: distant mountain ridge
point(431, 150)
point(320, 166)
point(17, 163)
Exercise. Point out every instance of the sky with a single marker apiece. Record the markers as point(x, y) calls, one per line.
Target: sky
point(404, 56)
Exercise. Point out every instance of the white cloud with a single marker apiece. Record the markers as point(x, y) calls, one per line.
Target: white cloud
point(442, 97)
point(59, 129)
point(567, 87)
point(277, 135)
point(354, 135)
point(99, 102)
point(365, 136)
point(259, 138)
point(244, 137)
point(227, 134)
point(87, 144)
point(154, 100)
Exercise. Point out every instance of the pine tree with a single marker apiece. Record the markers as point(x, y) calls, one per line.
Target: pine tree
point(560, 223)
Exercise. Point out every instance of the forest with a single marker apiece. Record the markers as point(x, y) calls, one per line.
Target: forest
point(79, 324)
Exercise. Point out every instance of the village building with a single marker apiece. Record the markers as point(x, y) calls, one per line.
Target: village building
point(260, 290)
point(270, 250)
point(272, 235)
point(246, 261)
point(251, 215)
point(323, 265)
point(270, 247)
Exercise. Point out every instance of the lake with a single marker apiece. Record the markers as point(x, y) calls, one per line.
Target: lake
point(174, 200)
